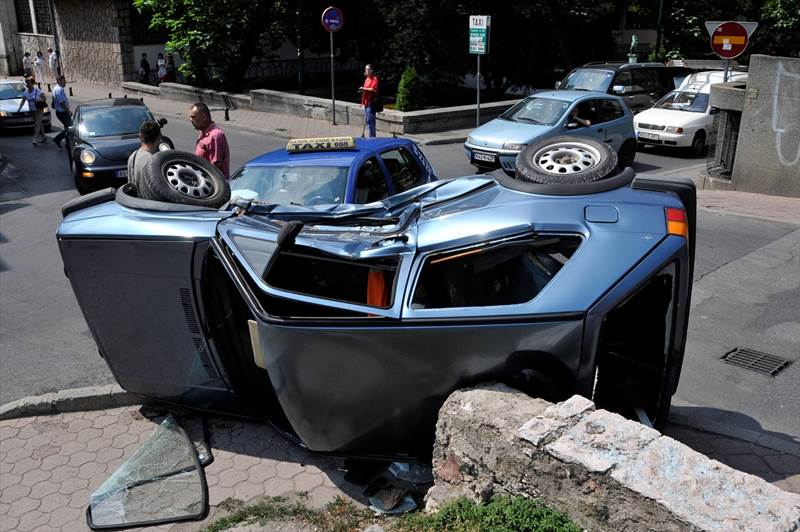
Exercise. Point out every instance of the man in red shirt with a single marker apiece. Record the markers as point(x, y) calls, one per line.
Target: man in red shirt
point(368, 92)
point(211, 143)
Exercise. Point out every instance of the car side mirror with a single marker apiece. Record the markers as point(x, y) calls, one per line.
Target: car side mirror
point(558, 84)
point(71, 130)
point(713, 110)
point(618, 89)
point(161, 121)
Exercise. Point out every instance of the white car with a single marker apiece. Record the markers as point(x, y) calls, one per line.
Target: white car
point(683, 117)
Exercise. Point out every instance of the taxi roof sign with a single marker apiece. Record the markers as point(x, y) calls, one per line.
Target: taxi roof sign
point(320, 144)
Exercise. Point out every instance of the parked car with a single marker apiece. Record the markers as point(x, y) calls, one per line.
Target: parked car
point(497, 143)
point(349, 325)
point(639, 84)
point(683, 117)
point(10, 96)
point(103, 135)
point(317, 171)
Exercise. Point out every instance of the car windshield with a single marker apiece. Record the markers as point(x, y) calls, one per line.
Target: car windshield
point(11, 91)
point(285, 185)
point(588, 79)
point(107, 121)
point(533, 110)
point(694, 102)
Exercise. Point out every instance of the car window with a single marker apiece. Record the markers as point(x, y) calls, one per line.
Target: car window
point(610, 110)
point(646, 79)
point(370, 183)
point(404, 170)
point(285, 185)
point(534, 110)
point(694, 102)
point(623, 78)
point(107, 121)
point(11, 91)
point(588, 110)
point(588, 79)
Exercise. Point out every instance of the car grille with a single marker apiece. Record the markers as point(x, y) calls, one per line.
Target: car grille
point(651, 126)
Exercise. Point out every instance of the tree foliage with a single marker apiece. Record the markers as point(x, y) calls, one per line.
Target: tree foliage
point(218, 40)
point(410, 91)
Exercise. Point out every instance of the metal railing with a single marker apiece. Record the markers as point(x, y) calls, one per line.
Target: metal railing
point(721, 142)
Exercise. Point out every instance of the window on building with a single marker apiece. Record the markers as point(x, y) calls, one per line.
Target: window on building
point(41, 8)
point(24, 20)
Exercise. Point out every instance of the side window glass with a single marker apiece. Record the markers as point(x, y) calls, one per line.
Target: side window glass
point(645, 80)
point(611, 110)
point(403, 168)
point(624, 79)
point(370, 183)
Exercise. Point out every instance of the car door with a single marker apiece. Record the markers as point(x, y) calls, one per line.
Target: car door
point(402, 168)
point(616, 124)
point(588, 109)
point(370, 183)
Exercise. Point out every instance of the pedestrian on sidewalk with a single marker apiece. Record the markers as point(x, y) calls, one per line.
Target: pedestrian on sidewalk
point(38, 67)
point(211, 142)
point(37, 101)
point(369, 91)
point(149, 134)
point(61, 107)
point(170, 75)
point(27, 65)
point(52, 59)
point(144, 69)
point(162, 67)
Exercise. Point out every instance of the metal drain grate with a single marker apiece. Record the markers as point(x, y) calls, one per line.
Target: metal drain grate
point(756, 361)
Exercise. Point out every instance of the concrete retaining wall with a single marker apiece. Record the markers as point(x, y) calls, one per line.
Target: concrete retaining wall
point(605, 472)
point(389, 121)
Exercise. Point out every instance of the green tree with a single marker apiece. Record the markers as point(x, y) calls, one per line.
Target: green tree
point(779, 32)
point(410, 91)
point(218, 40)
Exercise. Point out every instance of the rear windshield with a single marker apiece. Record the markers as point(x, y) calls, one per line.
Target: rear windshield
point(285, 185)
point(588, 79)
point(533, 110)
point(112, 121)
point(694, 102)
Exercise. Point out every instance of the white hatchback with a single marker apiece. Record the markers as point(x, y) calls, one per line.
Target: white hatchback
point(683, 117)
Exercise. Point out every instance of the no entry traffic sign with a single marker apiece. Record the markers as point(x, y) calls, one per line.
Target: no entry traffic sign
point(729, 40)
point(332, 19)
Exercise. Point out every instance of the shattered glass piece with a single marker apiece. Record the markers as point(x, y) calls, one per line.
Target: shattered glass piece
point(411, 472)
point(162, 482)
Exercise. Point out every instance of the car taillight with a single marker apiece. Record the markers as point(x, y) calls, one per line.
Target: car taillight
point(676, 222)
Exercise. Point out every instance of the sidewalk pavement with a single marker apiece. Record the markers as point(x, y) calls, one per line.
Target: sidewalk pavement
point(50, 465)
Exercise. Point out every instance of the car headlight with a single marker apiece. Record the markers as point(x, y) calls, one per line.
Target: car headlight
point(673, 129)
point(514, 146)
point(164, 146)
point(3, 113)
point(46, 110)
point(470, 140)
point(88, 157)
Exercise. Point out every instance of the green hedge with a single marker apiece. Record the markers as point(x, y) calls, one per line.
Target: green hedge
point(410, 91)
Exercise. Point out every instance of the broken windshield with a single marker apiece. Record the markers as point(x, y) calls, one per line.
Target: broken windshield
point(162, 483)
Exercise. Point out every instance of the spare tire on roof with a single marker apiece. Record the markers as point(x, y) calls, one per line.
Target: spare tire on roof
point(566, 160)
point(181, 177)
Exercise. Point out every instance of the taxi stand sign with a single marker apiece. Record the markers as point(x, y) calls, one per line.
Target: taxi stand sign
point(479, 26)
point(320, 144)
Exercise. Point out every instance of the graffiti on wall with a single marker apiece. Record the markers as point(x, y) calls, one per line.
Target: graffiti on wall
point(786, 116)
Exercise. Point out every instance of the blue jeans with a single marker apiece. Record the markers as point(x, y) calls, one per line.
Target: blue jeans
point(369, 120)
point(65, 119)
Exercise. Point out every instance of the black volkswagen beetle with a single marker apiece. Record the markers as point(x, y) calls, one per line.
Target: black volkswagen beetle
point(103, 135)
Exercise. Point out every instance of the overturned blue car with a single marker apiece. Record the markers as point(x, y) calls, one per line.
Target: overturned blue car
point(347, 326)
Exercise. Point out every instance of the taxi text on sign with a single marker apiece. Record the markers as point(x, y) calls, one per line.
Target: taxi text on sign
point(479, 34)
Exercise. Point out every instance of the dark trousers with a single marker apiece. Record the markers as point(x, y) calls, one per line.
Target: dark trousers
point(66, 120)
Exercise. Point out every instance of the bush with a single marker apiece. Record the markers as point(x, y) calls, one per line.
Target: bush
point(410, 91)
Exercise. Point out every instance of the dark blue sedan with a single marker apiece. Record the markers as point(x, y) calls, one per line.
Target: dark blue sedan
point(333, 170)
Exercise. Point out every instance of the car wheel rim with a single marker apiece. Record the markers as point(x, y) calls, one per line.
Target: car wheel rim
point(566, 158)
point(189, 180)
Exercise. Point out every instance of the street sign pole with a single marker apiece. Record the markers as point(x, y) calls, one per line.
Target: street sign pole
point(478, 107)
point(332, 21)
point(479, 26)
point(333, 85)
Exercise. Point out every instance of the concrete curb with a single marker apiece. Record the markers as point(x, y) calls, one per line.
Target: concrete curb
point(437, 142)
point(74, 400)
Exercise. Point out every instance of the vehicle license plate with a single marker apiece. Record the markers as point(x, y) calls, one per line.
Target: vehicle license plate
point(650, 136)
point(484, 157)
point(122, 173)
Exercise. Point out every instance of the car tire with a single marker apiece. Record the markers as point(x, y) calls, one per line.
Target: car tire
point(566, 160)
point(626, 154)
point(699, 143)
point(184, 178)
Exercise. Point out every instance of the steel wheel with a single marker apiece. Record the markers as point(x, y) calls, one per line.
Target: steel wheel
point(190, 180)
point(566, 158)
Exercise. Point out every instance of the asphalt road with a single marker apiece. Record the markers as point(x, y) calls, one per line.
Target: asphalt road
point(45, 345)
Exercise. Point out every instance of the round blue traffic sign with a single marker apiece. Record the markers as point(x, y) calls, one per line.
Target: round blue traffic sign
point(332, 19)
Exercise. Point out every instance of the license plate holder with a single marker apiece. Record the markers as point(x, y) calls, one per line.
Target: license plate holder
point(482, 157)
point(649, 136)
